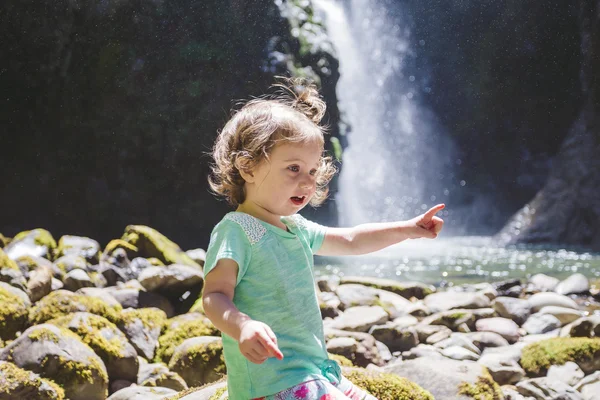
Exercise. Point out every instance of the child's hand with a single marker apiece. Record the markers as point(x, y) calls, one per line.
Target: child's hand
point(258, 342)
point(427, 225)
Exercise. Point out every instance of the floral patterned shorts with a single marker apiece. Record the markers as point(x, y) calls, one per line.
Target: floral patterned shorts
point(321, 390)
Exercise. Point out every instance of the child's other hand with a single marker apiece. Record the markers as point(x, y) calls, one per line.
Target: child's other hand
point(258, 342)
point(427, 225)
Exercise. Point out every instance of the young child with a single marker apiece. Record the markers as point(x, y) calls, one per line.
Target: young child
point(259, 284)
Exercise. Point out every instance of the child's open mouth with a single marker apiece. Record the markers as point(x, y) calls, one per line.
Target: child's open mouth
point(298, 200)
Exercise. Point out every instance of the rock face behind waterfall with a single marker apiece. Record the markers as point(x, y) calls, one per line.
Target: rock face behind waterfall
point(109, 107)
point(567, 209)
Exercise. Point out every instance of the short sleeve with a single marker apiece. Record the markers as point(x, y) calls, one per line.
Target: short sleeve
point(228, 240)
point(314, 232)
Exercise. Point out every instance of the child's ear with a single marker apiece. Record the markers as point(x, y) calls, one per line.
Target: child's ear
point(245, 172)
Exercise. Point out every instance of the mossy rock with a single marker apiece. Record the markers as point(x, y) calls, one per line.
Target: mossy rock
point(106, 340)
point(155, 262)
point(216, 391)
point(58, 354)
point(404, 289)
point(197, 307)
point(484, 389)
point(158, 375)
point(152, 243)
point(130, 250)
point(143, 327)
point(63, 302)
point(17, 383)
point(4, 241)
point(13, 312)
point(39, 240)
point(175, 336)
point(341, 360)
point(78, 245)
point(199, 360)
point(386, 386)
point(69, 262)
point(30, 263)
point(6, 262)
point(537, 358)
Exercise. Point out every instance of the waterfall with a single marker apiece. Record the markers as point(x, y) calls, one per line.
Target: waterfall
point(394, 164)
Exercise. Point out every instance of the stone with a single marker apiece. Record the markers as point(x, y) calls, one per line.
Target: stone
point(136, 298)
point(199, 360)
point(14, 304)
point(545, 388)
point(395, 337)
point(541, 300)
point(367, 351)
point(506, 328)
point(544, 282)
point(143, 393)
point(503, 370)
point(40, 283)
point(107, 341)
point(404, 289)
point(59, 355)
point(37, 243)
point(541, 323)
point(143, 327)
point(444, 301)
point(80, 246)
point(459, 353)
point(17, 383)
point(157, 374)
point(508, 307)
point(77, 279)
point(360, 319)
point(574, 284)
point(175, 277)
point(442, 377)
point(564, 314)
point(569, 373)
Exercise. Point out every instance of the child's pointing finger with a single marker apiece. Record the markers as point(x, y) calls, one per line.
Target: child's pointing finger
point(432, 211)
point(270, 344)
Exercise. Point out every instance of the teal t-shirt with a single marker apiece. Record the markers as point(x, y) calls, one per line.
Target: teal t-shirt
point(275, 285)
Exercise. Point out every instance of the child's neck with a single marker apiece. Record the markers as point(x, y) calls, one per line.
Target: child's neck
point(262, 214)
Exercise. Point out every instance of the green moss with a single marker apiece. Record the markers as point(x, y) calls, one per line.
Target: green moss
point(341, 360)
point(13, 377)
point(184, 393)
point(175, 336)
point(44, 334)
point(62, 302)
point(152, 243)
point(41, 237)
point(74, 262)
point(204, 356)
point(13, 314)
point(89, 331)
point(6, 262)
point(4, 241)
point(150, 317)
point(484, 389)
point(114, 244)
point(73, 373)
point(386, 386)
point(156, 262)
point(218, 394)
point(455, 316)
point(537, 357)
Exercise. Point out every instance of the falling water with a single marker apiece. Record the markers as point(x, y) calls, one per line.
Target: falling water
point(392, 167)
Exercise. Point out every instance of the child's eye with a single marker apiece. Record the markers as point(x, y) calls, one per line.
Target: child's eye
point(313, 172)
point(294, 168)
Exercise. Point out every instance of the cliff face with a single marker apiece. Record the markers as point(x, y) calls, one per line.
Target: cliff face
point(567, 209)
point(109, 108)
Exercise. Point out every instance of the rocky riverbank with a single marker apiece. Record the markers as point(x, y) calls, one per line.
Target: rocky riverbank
point(79, 321)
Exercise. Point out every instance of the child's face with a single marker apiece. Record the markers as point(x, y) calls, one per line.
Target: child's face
point(285, 183)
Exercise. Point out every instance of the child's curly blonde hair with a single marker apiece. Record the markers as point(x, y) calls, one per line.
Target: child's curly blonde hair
point(292, 115)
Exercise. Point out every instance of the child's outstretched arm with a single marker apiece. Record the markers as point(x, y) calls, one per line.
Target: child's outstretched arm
point(366, 238)
point(256, 340)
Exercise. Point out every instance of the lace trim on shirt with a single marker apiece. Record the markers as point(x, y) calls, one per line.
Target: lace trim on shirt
point(252, 228)
point(296, 221)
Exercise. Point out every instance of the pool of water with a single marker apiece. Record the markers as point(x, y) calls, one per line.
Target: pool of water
point(454, 261)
